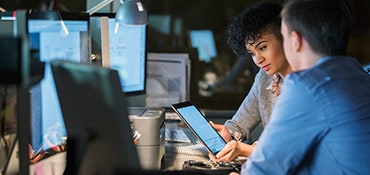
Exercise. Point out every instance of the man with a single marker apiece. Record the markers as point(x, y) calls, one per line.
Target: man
point(320, 123)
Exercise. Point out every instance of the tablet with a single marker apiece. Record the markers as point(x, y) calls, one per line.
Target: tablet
point(200, 126)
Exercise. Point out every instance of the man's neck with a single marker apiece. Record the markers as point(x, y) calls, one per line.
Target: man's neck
point(286, 71)
point(309, 59)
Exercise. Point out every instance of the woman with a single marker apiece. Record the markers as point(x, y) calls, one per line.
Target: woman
point(256, 31)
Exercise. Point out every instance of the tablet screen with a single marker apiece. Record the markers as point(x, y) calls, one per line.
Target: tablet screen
point(200, 126)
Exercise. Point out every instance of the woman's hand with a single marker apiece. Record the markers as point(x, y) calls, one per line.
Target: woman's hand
point(222, 130)
point(234, 149)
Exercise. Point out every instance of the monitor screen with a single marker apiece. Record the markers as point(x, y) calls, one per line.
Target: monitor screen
point(127, 54)
point(53, 36)
point(204, 41)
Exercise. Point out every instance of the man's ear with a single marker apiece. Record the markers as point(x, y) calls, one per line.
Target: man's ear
point(296, 41)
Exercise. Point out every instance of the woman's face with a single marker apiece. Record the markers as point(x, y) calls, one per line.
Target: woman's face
point(268, 54)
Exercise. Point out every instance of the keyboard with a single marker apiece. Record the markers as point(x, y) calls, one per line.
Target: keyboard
point(176, 135)
point(233, 166)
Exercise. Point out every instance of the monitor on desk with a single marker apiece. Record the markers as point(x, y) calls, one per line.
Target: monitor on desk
point(53, 36)
point(204, 41)
point(98, 126)
point(168, 79)
point(127, 53)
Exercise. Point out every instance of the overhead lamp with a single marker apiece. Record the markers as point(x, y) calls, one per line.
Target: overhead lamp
point(98, 6)
point(131, 12)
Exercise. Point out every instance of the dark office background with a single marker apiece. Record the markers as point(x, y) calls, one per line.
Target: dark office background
point(214, 15)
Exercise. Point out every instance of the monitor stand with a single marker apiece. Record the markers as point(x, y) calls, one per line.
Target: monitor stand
point(135, 100)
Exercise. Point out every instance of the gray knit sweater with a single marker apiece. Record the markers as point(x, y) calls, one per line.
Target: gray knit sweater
point(256, 107)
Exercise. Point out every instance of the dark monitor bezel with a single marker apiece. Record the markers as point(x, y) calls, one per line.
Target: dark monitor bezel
point(99, 138)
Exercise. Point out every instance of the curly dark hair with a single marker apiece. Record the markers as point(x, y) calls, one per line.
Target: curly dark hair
point(251, 24)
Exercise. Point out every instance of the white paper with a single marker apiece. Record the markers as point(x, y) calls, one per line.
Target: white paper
point(168, 79)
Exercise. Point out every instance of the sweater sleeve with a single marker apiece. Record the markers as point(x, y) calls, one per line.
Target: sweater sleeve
point(248, 116)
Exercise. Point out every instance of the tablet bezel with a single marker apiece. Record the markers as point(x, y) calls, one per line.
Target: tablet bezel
point(176, 106)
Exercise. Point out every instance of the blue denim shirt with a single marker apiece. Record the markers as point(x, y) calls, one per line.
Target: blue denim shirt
point(320, 124)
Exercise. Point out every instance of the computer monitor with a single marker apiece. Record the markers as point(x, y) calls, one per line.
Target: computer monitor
point(161, 22)
point(96, 121)
point(8, 23)
point(204, 41)
point(53, 36)
point(168, 79)
point(127, 53)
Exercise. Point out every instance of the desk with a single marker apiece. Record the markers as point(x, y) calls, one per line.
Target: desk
point(171, 161)
point(177, 153)
point(52, 165)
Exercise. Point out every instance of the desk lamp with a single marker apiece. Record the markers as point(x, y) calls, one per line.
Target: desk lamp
point(131, 12)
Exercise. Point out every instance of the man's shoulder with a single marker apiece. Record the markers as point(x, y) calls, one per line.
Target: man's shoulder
point(304, 77)
point(330, 70)
point(334, 66)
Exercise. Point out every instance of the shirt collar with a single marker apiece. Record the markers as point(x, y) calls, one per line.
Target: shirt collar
point(269, 87)
point(322, 60)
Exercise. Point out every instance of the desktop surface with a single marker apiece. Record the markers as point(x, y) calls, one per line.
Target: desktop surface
point(191, 158)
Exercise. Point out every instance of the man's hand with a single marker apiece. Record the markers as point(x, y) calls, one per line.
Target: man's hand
point(222, 130)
